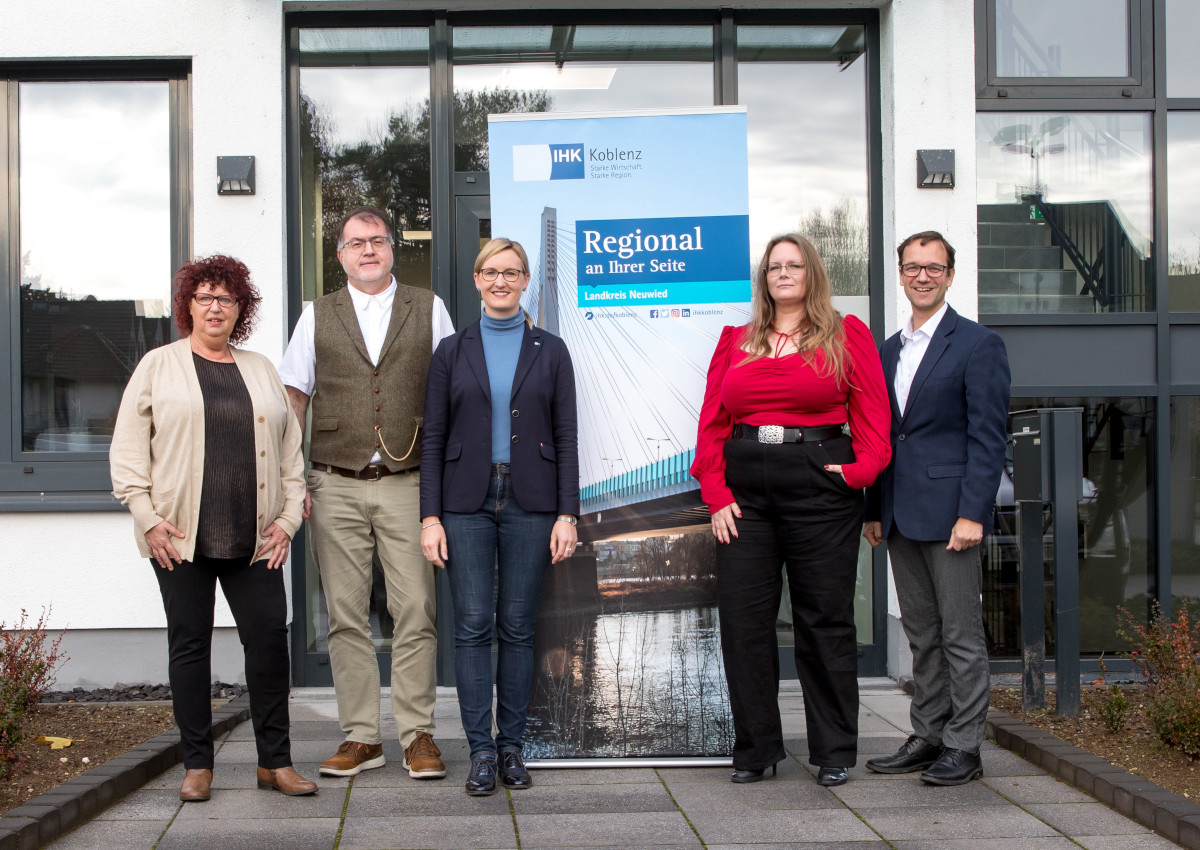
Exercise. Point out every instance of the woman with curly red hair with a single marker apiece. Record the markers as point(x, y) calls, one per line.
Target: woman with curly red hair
point(206, 455)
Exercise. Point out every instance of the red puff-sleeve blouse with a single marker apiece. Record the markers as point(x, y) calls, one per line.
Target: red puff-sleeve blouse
point(789, 391)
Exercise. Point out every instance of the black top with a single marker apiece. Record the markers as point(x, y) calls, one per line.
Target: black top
point(227, 502)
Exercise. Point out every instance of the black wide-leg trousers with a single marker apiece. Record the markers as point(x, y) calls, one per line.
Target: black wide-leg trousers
point(798, 517)
point(256, 598)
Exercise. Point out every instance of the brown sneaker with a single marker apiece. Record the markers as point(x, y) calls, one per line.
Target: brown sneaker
point(422, 758)
point(352, 758)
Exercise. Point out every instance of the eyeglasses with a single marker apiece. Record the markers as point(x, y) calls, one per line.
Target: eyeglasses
point(793, 269)
point(509, 275)
point(934, 270)
point(206, 300)
point(356, 245)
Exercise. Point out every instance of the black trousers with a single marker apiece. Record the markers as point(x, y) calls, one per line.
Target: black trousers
point(798, 517)
point(256, 598)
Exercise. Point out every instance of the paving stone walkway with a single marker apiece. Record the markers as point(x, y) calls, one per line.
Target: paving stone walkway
point(1016, 805)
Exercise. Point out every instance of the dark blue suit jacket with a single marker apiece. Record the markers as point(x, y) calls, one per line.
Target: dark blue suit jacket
point(456, 451)
point(948, 447)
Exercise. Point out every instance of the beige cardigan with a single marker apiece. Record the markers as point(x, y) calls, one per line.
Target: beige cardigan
point(157, 454)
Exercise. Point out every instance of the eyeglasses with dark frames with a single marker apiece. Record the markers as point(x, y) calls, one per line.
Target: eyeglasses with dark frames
point(509, 275)
point(205, 299)
point(934, 270)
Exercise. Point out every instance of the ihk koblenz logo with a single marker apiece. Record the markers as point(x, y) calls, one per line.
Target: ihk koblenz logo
point(548, 162)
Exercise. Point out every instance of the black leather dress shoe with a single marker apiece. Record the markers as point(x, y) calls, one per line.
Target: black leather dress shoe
point(512, 770)
point(830, 776)
point(955, 767)
point(916, 754)
point(742, 776)
point(481, 781)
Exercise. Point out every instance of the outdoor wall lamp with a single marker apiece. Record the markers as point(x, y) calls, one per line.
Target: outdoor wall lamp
point(235, 175)
point(935, 169)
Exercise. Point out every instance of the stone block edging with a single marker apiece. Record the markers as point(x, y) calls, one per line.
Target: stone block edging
point(1171, 815)
point(64, 807)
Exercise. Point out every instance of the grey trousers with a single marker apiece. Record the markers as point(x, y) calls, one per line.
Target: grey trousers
point(940, 608)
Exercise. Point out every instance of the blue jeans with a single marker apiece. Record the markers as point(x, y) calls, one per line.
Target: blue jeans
point(499, 536)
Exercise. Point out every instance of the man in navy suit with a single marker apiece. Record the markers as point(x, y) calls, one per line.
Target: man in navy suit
point(948, 380)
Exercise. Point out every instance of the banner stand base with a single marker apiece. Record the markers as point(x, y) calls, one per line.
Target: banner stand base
point(641, 761)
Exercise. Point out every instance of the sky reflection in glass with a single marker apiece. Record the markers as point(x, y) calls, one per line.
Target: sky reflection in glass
point(116, 185)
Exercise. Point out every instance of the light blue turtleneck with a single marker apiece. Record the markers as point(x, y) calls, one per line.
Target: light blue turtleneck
point(501, 348)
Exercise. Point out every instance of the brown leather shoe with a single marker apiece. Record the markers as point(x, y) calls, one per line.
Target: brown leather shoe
point(422, 758)
point(352, 758)
point(197, 785)
point(285, 780)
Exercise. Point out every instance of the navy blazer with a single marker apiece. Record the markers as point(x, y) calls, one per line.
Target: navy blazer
point(948, 447)
point(456, 451)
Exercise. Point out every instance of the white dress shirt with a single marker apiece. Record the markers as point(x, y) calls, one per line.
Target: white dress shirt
point(299, 366)
point(913, 345)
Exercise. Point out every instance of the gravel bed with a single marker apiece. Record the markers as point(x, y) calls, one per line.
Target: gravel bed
point(138, 692)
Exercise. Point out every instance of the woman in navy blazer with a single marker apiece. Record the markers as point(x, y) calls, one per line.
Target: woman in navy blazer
point(499, 490)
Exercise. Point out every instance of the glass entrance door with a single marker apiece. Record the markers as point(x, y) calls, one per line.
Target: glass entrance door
point(396, 117)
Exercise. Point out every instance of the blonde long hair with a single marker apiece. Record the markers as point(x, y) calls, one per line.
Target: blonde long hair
point(823, 325)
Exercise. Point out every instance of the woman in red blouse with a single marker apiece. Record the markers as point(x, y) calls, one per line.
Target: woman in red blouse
point(783, 481)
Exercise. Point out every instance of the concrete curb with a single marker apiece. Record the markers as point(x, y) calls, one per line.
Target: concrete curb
point(1173, 816)
point(64, 807)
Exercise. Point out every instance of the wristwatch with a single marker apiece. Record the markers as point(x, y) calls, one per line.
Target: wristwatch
point(574, 520)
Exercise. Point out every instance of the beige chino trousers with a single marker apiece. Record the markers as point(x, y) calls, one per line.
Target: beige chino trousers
point(350, 521)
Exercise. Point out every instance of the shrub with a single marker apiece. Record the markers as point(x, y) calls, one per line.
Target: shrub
point(1167, 652)
point(1112, 708)
point(27, 664)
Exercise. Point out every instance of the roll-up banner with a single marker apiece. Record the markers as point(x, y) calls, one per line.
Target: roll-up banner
point(637, 229)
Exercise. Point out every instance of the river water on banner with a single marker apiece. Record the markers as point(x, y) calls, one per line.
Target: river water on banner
point(619, 683)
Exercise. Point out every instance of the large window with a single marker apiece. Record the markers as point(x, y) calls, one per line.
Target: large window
point(364, 140)
point(805, 91)
point(92, 247)
point(1185, 500)
point(1088, 135)
point(1114, 531)
point(1034, 48)
point(1183, 60)
point(364, 137)
point(1183, 216)
point(1066, 38)
point(1065, 212)
point(572, 69)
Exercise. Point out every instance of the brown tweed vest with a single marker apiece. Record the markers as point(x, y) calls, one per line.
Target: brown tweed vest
point(353, 398)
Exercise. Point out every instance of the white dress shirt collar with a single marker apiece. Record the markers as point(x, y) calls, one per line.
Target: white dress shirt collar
point(929, 328)
point(362, 300)
point(913, 345)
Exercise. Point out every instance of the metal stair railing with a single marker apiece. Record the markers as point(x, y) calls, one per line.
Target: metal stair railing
point(1114, 272)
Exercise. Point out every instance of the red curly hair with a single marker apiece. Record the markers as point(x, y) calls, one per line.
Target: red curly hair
point(211, 272)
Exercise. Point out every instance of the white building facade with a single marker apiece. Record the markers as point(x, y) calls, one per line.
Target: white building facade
point(1070, 122)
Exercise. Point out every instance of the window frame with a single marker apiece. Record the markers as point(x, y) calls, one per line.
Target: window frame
point(72, 481)
point(1139, 84)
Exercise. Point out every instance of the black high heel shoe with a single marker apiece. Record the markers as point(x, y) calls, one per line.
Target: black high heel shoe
point(742, 776)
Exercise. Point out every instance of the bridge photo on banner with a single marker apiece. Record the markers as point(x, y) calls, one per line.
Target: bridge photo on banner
point(637, 229)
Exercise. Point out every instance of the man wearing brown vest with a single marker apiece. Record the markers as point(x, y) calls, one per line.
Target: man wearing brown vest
point(361, 355)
